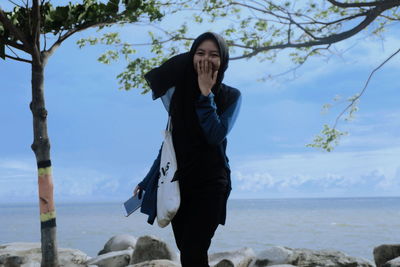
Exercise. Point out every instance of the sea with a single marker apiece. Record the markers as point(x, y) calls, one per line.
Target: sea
point(351, 225)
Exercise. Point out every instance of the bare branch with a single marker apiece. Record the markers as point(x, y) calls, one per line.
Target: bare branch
point(366, 4)
point(364, 88)
point(19, 59)
point(12, 51)
point(260, 10)
point(365, 13)
point(63, 37)
point(16, 45)
point(172, 37)
point(334, 38)
point(161, 42)
point(299, 26)
point(15, 3)
point(389, 18)
point(302, 63)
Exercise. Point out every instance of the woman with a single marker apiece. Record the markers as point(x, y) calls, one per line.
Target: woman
point(203, 111)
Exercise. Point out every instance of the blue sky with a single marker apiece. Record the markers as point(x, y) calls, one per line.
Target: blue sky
point(103, 140)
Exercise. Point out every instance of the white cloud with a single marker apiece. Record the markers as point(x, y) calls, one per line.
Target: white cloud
point(371, 52)
point(372, 130)
point(256, 181)
point(16, 165)
point(18, 182)
point(17, 179)
point(366, 173)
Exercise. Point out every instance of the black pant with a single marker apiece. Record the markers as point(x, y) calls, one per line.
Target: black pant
point(195, 223)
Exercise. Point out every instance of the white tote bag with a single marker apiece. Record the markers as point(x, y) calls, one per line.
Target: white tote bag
point(168, 195)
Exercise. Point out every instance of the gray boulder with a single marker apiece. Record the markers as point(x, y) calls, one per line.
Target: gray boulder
point(272, 256)
point(393, 263)
point(11, 261)
point(156, 263)
point(119, 242)
point(385, 253)
point(238, 258)
point(112, 259)
point(325, 258)
point(224, 263)
point(30, 255)
point(282, 265)
point(151, 248)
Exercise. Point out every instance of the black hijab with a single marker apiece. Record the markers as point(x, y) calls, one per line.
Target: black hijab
point(191, 147)
point(172, 72)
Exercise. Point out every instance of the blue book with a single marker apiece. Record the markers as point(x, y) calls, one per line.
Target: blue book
point(133, 204)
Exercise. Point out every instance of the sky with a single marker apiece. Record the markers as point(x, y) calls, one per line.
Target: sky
point(104, 140)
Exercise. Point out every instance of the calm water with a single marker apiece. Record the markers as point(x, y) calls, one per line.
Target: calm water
point(352, 225)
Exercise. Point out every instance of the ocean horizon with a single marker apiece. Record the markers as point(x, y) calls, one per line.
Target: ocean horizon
point(353, 225)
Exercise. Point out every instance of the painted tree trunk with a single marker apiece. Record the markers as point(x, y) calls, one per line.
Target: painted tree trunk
point(41, 148)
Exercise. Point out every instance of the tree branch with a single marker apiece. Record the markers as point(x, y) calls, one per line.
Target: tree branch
point(365, 13)
point(63, 37)
point(389, 18)
point(334, 38)
point(160, 42)
point(260, 10)
point(36, 31)
point(14, 30)
point(45, 41)
point(301, 27)
point(370, 4)
point(364, 88)
point(15, 3)
point(315, 50)
point(12, 51)
point(16, 45)
point(19, 59)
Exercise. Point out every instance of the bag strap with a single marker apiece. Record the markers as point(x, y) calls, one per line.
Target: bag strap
point(169, 125)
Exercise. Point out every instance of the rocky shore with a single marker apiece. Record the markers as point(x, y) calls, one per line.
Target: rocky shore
point(149, 251)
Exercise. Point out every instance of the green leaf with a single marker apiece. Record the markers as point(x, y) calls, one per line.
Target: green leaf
point(328, 139)
point(112, 6)
point(132, 5)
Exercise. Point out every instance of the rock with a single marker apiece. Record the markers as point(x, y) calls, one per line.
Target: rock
point(12, 261)
point(238, 258)
point(151, 248)
point(272, 256)
point(384, 253)
point(112, 259)
point(282, 265)
point(156, 263)
point(118, 243)
point(326, 258)
point(30, 255)
point(392, 263)
point(19, 254)
point(224, 263)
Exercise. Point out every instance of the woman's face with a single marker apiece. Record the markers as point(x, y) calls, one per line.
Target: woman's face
point(207, 51)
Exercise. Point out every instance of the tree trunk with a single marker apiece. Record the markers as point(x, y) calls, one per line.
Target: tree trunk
point(41, 148)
